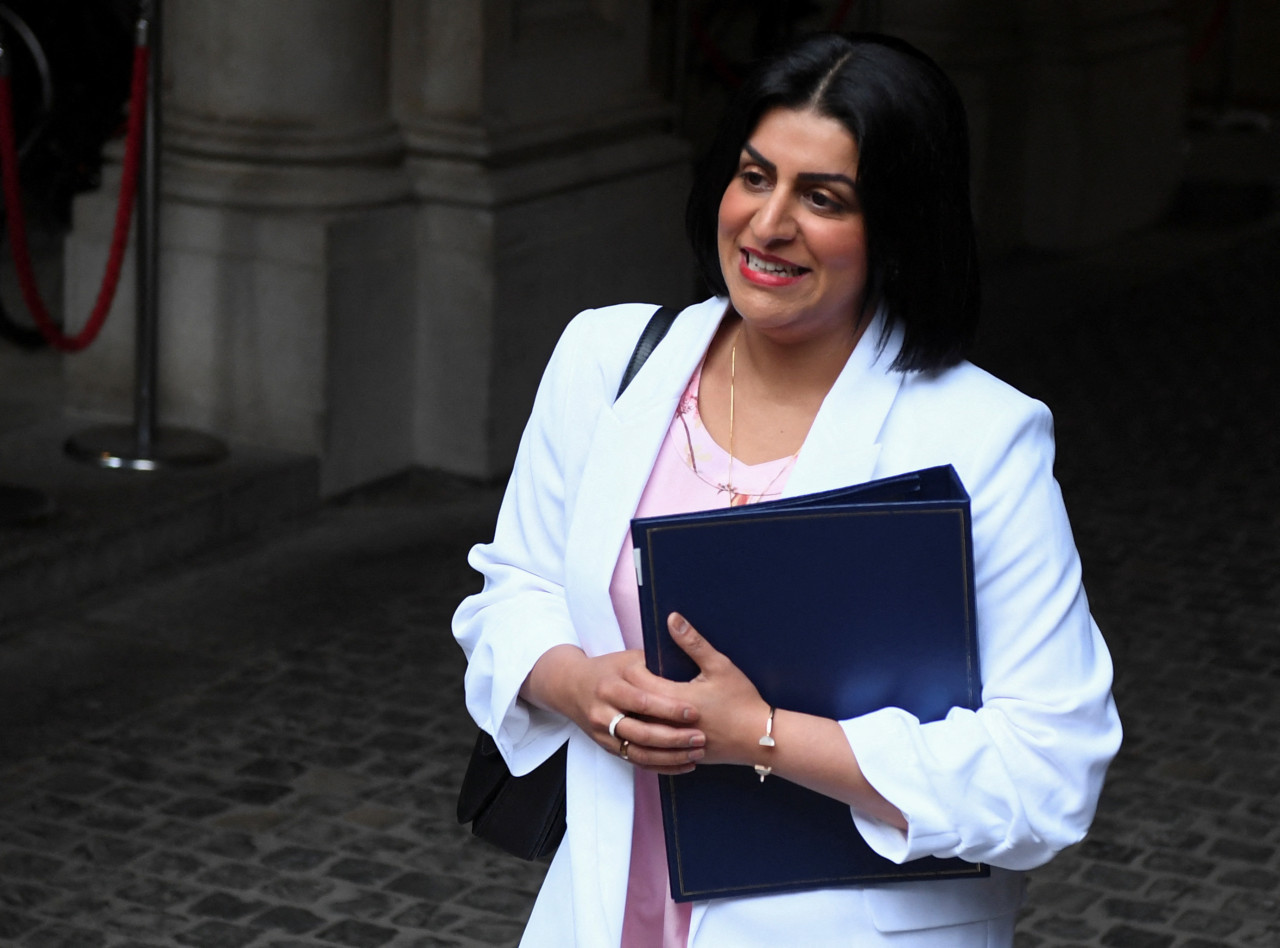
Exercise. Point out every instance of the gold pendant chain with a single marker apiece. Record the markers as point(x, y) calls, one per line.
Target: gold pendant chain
point(733, 371)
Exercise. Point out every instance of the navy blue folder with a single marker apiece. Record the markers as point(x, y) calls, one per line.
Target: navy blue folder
point(835, 604)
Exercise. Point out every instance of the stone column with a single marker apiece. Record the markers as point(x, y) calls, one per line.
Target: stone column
point(285, 244)
point(547, 184)
point(1105, 126)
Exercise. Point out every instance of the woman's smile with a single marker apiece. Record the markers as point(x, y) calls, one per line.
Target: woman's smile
point(768, 270)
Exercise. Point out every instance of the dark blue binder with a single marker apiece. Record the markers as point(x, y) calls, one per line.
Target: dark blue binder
point(835, 604)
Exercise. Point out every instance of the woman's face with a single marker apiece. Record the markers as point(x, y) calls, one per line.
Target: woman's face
point(792, 240)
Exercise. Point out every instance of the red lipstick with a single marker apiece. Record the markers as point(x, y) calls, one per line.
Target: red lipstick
point(768, 270)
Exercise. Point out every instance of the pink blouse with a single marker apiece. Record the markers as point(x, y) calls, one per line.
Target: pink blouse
point(691, 473)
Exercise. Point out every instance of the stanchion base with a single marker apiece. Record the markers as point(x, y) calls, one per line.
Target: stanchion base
point(117, 446)
point(19, 505)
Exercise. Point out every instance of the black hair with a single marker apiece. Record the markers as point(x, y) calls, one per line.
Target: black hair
point(913, 180)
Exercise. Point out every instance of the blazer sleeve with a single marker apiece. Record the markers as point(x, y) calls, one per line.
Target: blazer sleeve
point(521, 611)
point(1017, 780)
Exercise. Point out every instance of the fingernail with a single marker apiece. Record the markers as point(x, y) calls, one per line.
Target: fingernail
point(697, 754)
point(698, 740)
point(678, 624)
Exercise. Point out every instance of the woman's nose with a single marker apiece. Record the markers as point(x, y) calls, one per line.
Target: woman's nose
point(774, 220)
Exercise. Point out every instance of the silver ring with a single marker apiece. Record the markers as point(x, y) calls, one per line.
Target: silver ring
point(613, 725)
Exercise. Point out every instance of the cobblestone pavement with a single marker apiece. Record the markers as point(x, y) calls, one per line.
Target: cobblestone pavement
point(262, 748)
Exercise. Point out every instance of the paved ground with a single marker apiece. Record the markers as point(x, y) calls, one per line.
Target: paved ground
point(262, 748)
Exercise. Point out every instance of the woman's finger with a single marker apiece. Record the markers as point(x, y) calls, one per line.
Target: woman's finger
point(691, 640)
point(637, 692)
point(643, 733)
point(677, 758)
point(661, 761)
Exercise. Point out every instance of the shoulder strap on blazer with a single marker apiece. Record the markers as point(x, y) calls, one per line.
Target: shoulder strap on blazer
point(654, 330)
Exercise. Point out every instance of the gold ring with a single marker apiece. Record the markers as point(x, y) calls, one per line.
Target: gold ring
point(622, 751)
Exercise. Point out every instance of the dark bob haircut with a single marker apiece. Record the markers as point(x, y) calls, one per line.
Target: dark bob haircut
point(913, 180)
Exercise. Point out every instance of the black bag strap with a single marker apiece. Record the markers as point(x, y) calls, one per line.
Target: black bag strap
point(654, 330)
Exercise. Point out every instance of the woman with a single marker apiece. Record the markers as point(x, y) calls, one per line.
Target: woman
point(832, 219)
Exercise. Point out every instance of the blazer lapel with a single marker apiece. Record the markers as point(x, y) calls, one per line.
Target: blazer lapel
point(623, 447)
point(843, 443)
point(622, 450)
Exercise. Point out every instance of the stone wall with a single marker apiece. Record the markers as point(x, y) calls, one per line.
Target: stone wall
point(378, 215)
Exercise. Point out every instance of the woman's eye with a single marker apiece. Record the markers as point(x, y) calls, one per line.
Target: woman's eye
point(824, 202)
point(754, 179)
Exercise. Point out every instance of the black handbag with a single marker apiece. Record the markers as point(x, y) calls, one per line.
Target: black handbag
point(525, 815)
point(522, 815)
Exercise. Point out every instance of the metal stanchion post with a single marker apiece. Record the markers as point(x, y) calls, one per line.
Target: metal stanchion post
point(144, 446)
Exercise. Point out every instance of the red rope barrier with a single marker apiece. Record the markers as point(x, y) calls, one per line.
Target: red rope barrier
point(124, 214)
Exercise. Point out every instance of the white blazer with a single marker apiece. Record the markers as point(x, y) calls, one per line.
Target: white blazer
point(1009, 784)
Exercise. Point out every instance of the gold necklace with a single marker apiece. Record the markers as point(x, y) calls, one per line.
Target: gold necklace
point(733, 371)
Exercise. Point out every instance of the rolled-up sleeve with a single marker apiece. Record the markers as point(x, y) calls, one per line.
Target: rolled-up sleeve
point(1018, 779)
point(521, 611)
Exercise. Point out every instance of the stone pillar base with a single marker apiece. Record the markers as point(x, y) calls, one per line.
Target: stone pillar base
point(274, 327)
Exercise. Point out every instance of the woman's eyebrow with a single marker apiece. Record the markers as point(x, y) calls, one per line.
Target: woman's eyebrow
point(802, 176)
point(759, 158)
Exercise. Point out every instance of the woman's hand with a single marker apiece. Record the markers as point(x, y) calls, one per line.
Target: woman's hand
point(732, 714)
point(658, 732)
point(809, 750)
